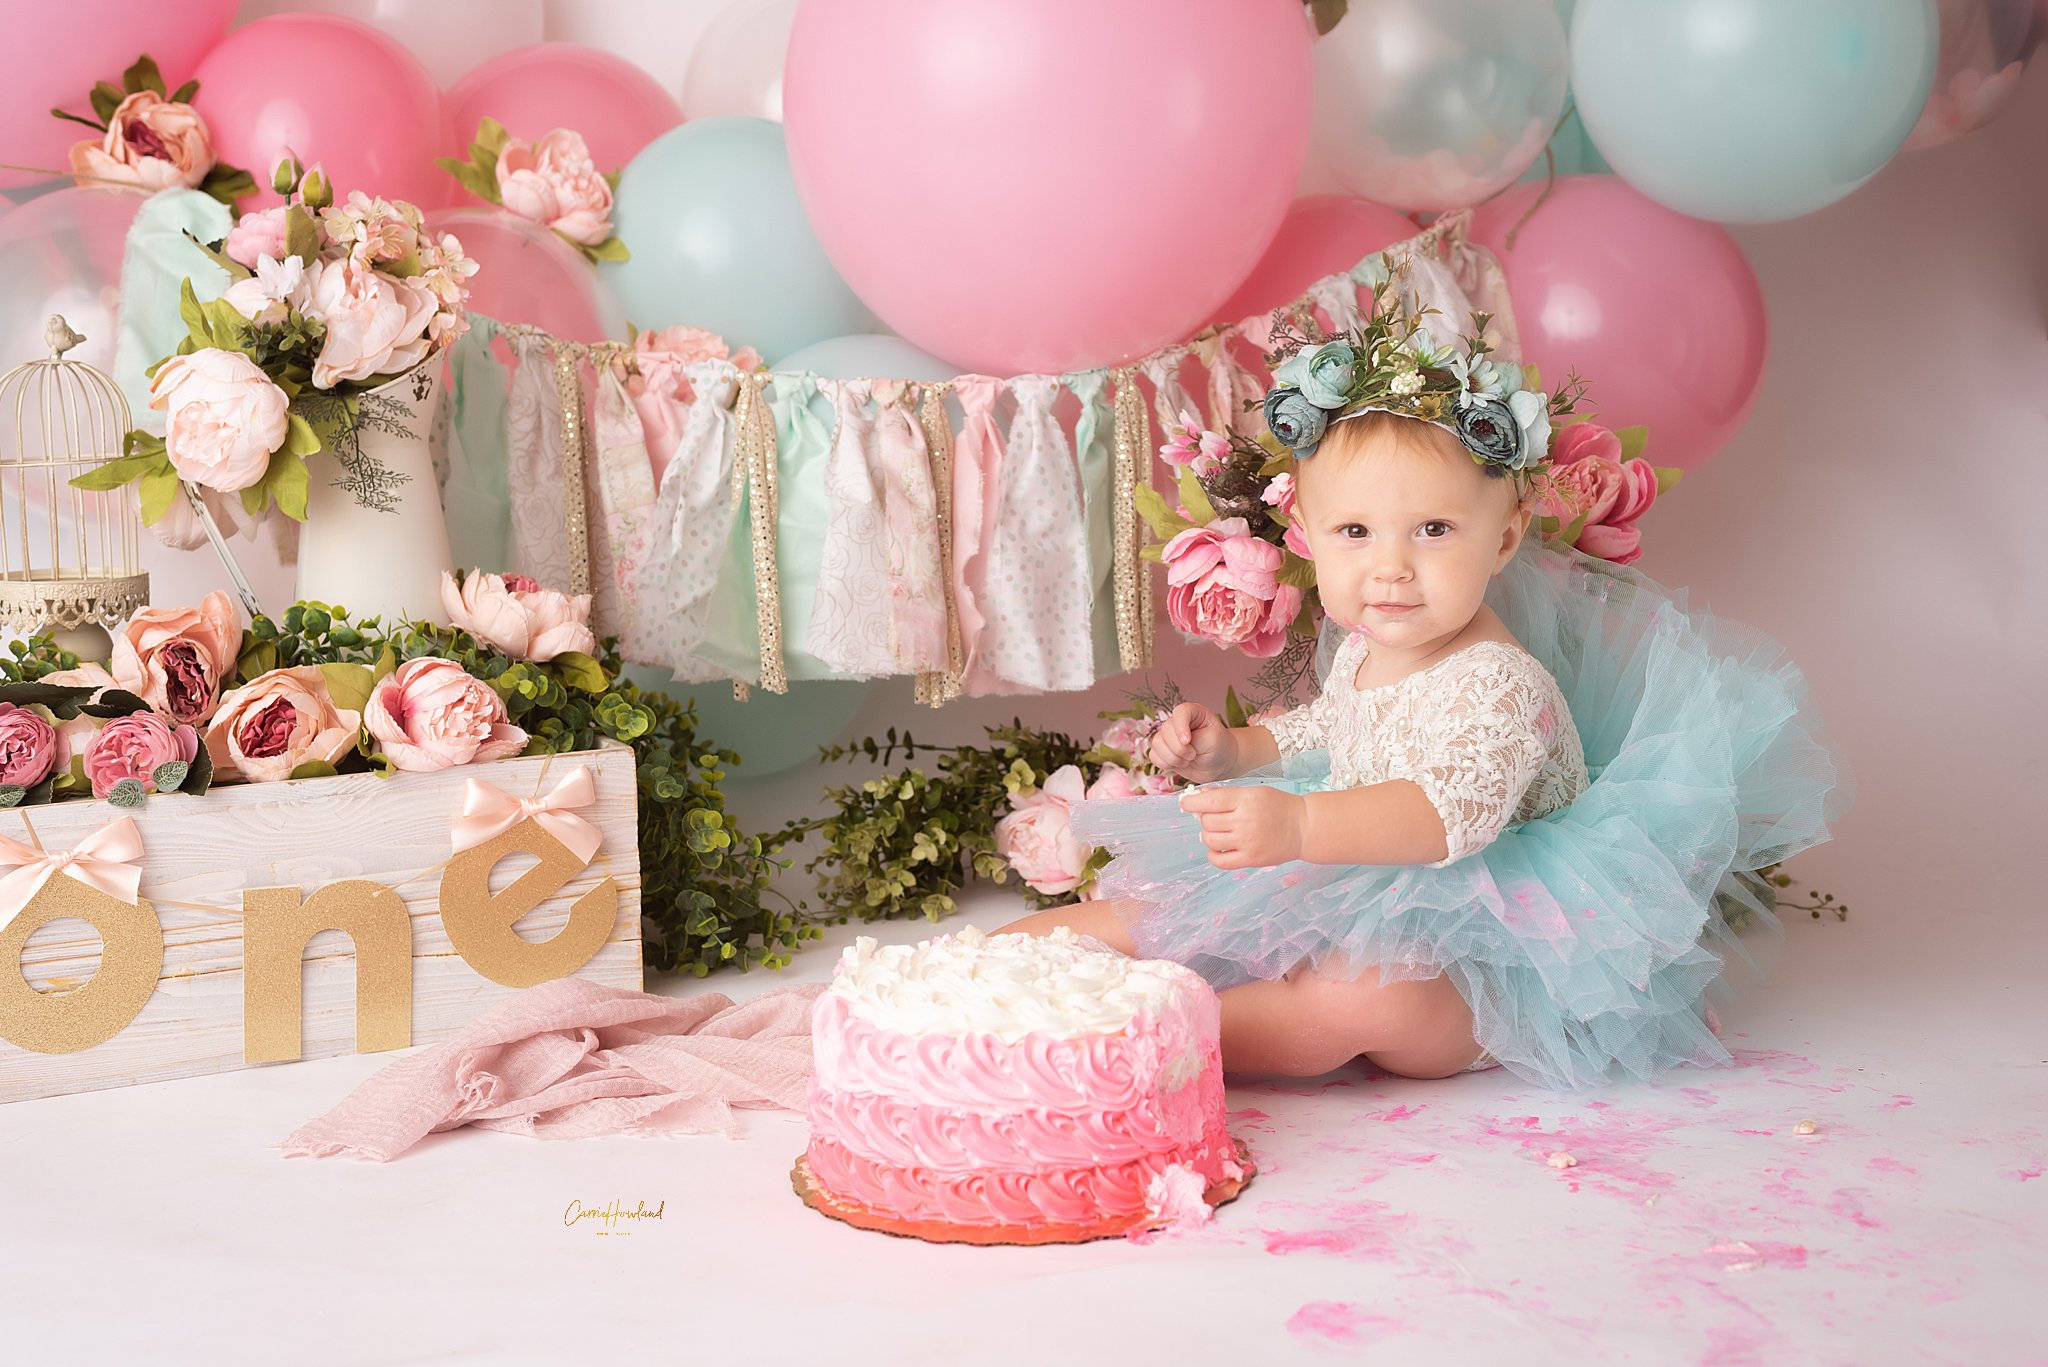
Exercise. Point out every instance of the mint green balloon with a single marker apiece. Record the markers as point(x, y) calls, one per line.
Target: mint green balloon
point(770, 732)
point(720, 240)
point(1751, 111)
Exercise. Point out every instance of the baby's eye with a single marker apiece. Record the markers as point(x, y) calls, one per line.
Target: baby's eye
point(1436, 529)
point(1353, 531)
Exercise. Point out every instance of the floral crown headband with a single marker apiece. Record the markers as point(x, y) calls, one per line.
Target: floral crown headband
point(1391, 363)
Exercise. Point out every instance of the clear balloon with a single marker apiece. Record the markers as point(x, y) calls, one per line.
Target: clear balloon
point(720, 241)
point(1436, 104)
point(1321, 235)
point(526, 273)
point(617, 107)
point(61, 253)
point(1985, 45)
point(1047, 186)
point(737, 65)
point(55, 53)
point(1659, 313)
point(448, 36)
point(332, 91)
point(1750, 111)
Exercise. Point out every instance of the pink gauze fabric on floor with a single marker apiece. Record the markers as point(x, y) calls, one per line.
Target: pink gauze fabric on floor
point(571, 1059)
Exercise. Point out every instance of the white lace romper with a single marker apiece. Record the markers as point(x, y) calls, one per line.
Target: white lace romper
point(1484, 732)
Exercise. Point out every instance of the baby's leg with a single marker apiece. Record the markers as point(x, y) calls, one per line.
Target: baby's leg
point(1087, 918)
point(1309, 1022)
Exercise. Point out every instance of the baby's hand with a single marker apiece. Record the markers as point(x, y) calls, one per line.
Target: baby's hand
point(1194, 743)
point(1247, 828)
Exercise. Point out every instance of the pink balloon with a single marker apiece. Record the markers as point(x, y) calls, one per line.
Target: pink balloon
point(1322, 235)
point(526, 273)
point(1660, 313)
point(54, 53)
point(1079, 183)
point(617, 107)
point(332, 91)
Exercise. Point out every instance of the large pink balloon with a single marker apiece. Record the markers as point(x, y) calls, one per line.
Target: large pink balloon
point(1042, 185)
point(617, 107)
point(54, 53)
point(1660, 313)
point(1322, 235)
point(526, 273)
point(332, 91)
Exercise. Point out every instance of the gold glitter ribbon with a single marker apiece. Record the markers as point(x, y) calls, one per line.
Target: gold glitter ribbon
point(755, 462)
point(575, 512)
point(934, 689)
point(1133, 592)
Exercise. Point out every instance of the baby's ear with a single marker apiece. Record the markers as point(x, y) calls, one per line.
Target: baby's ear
point(1512, 534)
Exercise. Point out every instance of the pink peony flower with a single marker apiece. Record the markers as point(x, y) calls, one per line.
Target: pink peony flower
point(1132, 734)
point(554, 182)
point(134, 747)
point(1222, 583)
point(29, 747)
point(176, 659)
point(432, 714)
point(226, 417)
point(278, 721)
point(1589, 479)
point(1034, 836)
point(255, 236)
point(1153, 784)
point(1115, 781)
point(151, 143)
point(1187, 443)
point(515, 615)
point(376, 324)
point(1280, 494)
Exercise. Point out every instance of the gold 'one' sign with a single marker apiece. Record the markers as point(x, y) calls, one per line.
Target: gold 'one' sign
point(277, 924)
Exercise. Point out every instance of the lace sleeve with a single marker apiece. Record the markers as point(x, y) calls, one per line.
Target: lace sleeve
point(1306, 727)
point(1484, 748)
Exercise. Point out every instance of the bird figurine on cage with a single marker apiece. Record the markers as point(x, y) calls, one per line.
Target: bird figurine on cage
point(70, 558)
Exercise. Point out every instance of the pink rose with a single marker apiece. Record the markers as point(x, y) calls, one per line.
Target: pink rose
point(1589, 480)
point(176, 659)
point(554, 182)
point(1187, 443)
point(278, 721)
point(376, 324)
point(1222, 583)
point(1153, 784)
point(514, 615)
point(255, 236)
point(226, 418)
point(433, 714)
point(29, 747)
point(1280, 495)
point(1035, 839)
point(1132, 734)
point(134, 747)
point(1115, 781)
point(151, 143)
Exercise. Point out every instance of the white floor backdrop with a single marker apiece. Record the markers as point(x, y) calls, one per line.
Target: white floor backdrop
point(1881, 513)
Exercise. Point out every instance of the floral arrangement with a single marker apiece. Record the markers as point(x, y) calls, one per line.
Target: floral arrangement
point(192, 696)
point(552, 182)
point(327, 303)
point(151, 139)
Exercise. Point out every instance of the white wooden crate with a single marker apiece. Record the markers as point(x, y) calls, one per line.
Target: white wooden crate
point(202, 853)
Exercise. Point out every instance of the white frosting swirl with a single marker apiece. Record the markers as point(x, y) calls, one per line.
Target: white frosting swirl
point(1011, 986)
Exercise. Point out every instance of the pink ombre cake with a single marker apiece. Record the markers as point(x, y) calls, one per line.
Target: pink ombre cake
point(1016, 1089)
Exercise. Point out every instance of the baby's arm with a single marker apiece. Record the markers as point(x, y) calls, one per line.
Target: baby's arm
point(1381, 823)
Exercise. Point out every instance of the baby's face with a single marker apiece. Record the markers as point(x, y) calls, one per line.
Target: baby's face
point(1405, 540)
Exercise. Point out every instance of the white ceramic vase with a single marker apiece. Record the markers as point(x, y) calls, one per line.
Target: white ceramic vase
point(375, 539)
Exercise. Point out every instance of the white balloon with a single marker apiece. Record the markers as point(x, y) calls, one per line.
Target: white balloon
point(448, 36)
point(1427, 105)
point(737, 65)
point(657, 36)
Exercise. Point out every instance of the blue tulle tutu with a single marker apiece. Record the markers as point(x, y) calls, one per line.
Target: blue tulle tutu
point(1586, 941)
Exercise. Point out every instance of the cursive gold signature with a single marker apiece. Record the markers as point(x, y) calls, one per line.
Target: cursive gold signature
point(610, 1216)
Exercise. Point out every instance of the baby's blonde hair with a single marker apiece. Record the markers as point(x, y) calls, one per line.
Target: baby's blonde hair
point(1345, 440)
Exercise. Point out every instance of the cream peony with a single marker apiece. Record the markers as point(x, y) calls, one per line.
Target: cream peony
point(376, 324)
point(278, 721)
point(513, 614)
point(224, 417)
point(432, 714)
point(554, 182)
point(151, 143)
point(1035, 836)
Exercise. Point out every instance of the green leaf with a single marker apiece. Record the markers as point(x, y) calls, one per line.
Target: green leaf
point(1195, 499)
point(289, 485)
point(1233, 710)
point(255, 499)
point(117, 472)
point(257, 657)
point(302, 235)
point(12, 794)
point(1297, 572)
point(184, 93)
point(611, 249)
point(106, 98)
point(194, 316)
point(348, 685)
point(1570, 536)
point(200, 778)
point(478, 181)
point(1667, 478)
point(314, 768)
point(143, 76)
point(159, 490)
point(235, 269)
point(580, 672)
point(99, 127)
point(1633, 440)
point(228, 184)
point(301, 439)
point(170, 775)
point(1152, 506)
point(115, 702)
point(129, 792)
point(490, 140)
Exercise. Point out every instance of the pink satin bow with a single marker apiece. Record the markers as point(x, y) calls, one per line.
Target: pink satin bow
point(488, 814)
point(105, 860)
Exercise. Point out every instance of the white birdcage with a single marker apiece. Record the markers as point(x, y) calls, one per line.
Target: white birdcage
point(70, 559)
